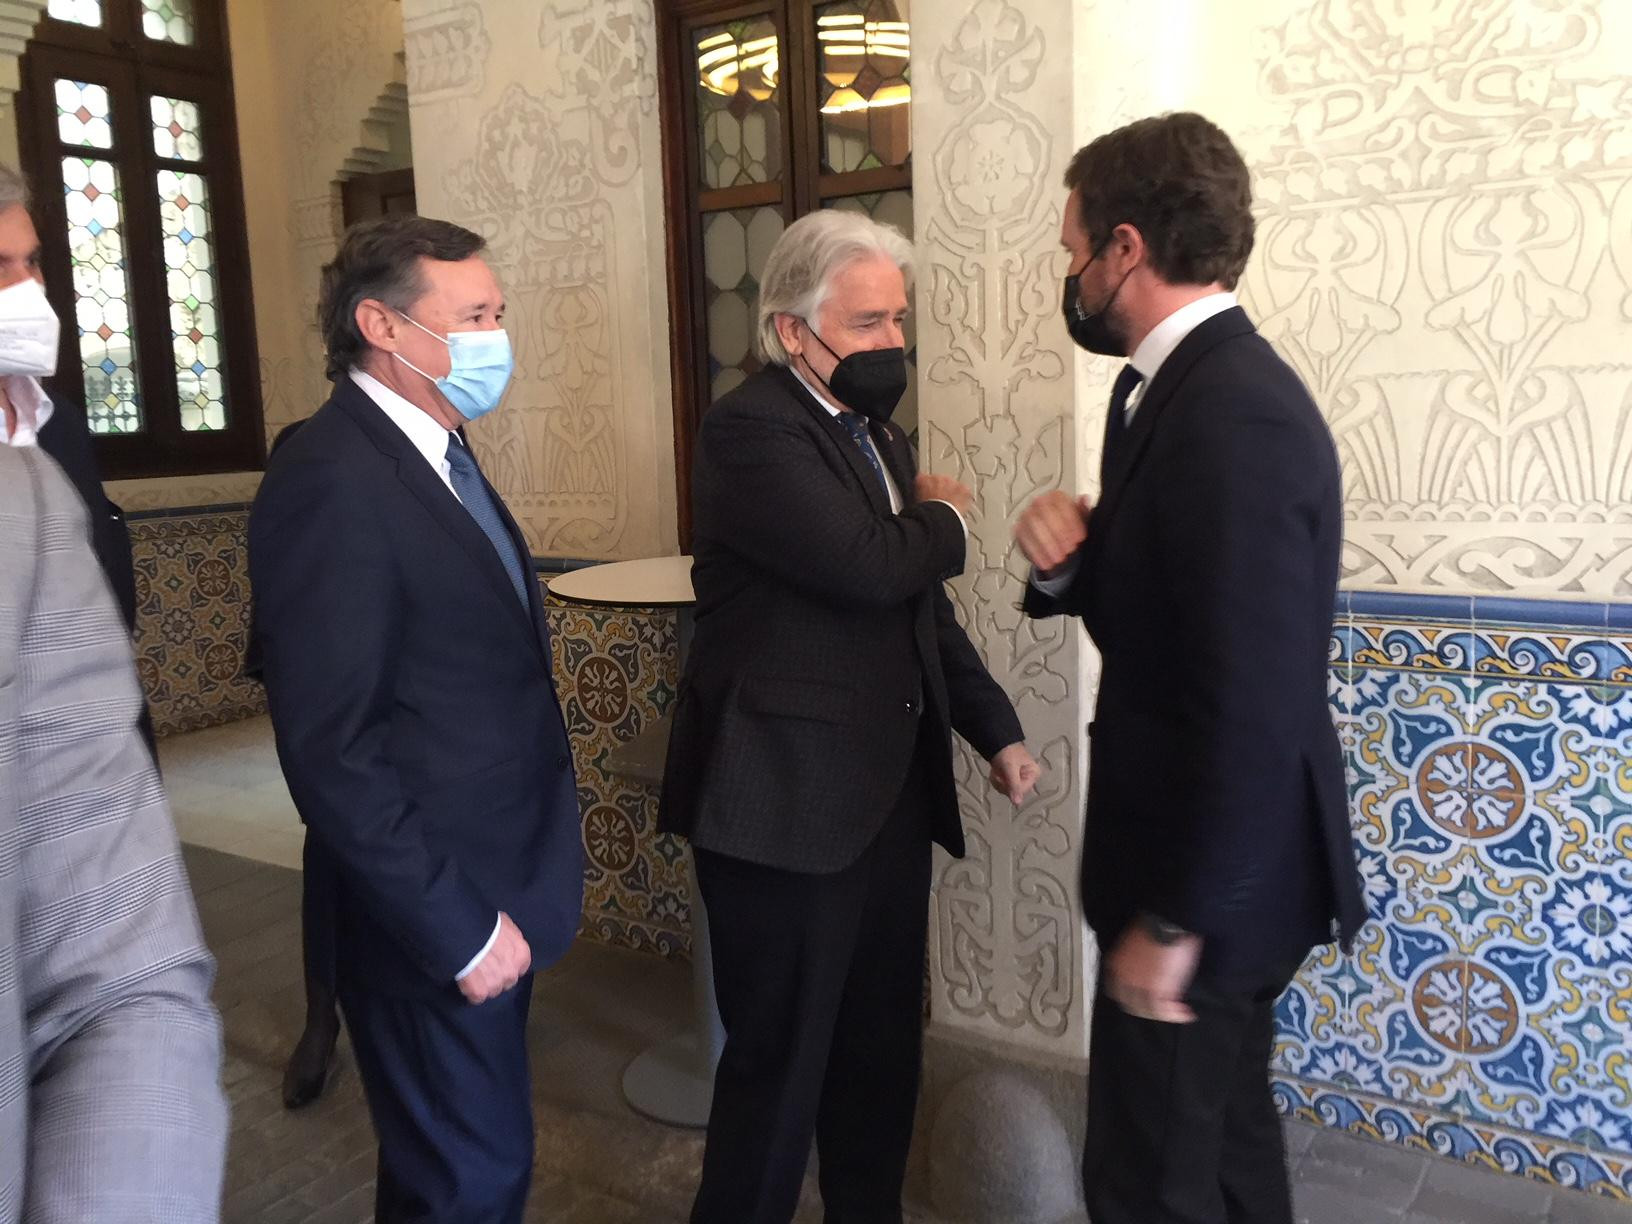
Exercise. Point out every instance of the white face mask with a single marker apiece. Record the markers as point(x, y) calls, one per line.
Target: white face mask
point(29, 331)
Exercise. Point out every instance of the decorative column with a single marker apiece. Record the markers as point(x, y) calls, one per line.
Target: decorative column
point(1010, 959)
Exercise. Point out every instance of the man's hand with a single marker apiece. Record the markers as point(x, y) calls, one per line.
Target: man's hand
point(1052, 528)
point(930, 487)
point(1148, 979)
point(1014, 773)
point(501, 968)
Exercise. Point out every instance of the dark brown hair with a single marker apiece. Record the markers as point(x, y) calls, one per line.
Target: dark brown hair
point(1179, 181)
point(379, 259)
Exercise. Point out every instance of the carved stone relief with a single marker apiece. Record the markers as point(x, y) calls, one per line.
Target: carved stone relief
point(550, 171)
point(447, 50)
point(1444, 251)
point(996, 408)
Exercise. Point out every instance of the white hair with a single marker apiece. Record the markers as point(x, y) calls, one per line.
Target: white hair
point(13, 187)
point(799, 274)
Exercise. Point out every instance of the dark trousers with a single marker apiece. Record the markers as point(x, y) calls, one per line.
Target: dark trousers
point(449, 1091)
point(820, 985)
point(319, 919)
point(1181, 1125)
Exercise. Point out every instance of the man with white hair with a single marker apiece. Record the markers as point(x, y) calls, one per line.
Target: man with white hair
point(811, 758)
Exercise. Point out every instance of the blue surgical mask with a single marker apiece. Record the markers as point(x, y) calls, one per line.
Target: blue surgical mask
point(481, 367)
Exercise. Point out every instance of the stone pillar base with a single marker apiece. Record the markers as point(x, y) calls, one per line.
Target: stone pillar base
point(999, 1134)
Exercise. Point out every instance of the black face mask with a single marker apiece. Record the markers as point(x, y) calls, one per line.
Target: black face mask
point(871, 381)
point(1092, 331)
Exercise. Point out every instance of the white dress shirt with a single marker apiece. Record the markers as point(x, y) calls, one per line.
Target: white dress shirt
point(1148, 358)
point(418, 426)
point(32, 406)
point(889, 480)
point(431, 441)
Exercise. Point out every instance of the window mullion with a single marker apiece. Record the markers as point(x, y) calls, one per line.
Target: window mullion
point(149, 308)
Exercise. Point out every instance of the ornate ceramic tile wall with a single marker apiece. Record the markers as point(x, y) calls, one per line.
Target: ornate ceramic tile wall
point(1485, 1012)
point(192, 618)
point(616, 672)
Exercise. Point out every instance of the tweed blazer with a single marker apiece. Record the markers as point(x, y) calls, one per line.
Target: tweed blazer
point(111, 1106)
point(825, 641)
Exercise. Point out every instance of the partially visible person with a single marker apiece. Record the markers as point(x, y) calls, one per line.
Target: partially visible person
point(1217, 849)
point(111, 1109)
point(407, 667)
point(29, 416)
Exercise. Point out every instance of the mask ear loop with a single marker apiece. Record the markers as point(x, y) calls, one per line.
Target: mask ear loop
point(428, 332)
point(830, 352)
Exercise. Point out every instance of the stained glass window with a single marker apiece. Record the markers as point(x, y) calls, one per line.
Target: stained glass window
point(84, 115)
point(96, 243)
point(736, 245)
point(168, 21)
point(865, 81)
point(176, 129)
point(145, 248)
point(80, 12)
point(184, 213)
point(739, 69)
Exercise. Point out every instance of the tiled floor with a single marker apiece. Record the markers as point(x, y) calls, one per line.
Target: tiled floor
point(598, 1162)
point(227, 792)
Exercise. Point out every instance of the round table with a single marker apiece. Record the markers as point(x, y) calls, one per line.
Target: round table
point(674, 1080)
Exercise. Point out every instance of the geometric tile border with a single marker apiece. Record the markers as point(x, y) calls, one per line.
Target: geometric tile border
point(1485, 1010)
point(192, 618)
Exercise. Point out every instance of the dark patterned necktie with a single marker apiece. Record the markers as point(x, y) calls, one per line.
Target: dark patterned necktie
point(856, 426)
point(1116, 420)
point(478, 499)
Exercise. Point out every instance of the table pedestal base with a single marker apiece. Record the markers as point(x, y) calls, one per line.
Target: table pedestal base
point(672, 1082)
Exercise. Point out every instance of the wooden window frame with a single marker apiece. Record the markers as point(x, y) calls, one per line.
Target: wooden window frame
point(133, 67)
point(803, 188)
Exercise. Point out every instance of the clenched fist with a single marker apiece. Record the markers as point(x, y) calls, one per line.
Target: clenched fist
point(1052, 528)
point(959, 496)
point(506, 962)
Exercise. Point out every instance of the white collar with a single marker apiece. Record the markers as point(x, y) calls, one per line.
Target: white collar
point(815, 394)
point(33, 407)
point(421, 428)
point(1167, 335)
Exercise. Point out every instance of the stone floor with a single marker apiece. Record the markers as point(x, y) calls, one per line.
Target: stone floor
point(598, 1162)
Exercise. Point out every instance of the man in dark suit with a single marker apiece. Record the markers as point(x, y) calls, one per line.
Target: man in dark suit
point(306, 1074)
point(407, 668)
point(1217, 848)
point(810, 763)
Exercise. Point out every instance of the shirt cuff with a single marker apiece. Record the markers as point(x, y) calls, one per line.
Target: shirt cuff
point(954, 510)
point(1060, 582)
point(486, 948)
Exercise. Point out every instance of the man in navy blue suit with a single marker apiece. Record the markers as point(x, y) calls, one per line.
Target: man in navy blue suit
point(407, 666)
point(1216, 851)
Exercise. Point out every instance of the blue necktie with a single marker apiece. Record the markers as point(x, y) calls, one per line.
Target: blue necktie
point(479, 501)
point(856, 426)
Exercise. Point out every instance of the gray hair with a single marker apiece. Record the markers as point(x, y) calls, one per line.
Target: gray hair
point(799, 274)
point(13, 187)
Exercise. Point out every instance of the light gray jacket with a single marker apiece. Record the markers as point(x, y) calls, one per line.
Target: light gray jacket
point(111, 1106)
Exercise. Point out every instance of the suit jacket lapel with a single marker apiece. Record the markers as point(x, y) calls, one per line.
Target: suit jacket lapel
point(864, 473)
point(437, 498)
point(1134, 441)
point(891, 445)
